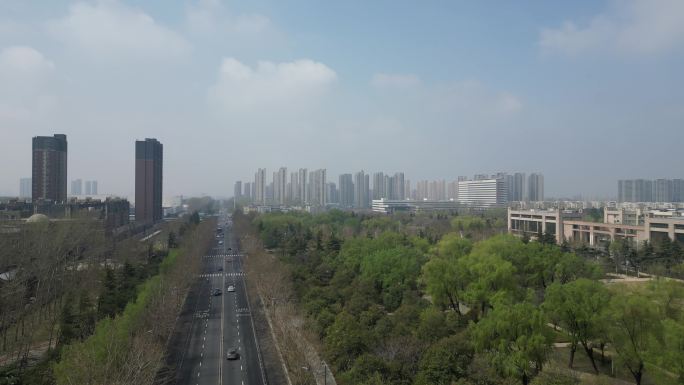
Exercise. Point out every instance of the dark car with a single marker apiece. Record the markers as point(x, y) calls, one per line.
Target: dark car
point(220, 269)
point(216, 292)
point(232, 354)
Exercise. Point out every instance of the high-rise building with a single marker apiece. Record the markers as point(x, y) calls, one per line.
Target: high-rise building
point(25, 188)
point(662, 190)
point(248, 190)
point(280, 186)
point(452, 191)
point(331, 193)
point(535, 187)
point(91, 187)
point(346, 191)
point(77, 187)
point(398, 186)
point(422, 188)
point(149, 158)
point(361, 190)
point(237, 190)
point(437, 190)
point(50, 168)
point(317, 187)
point(678, 190)
point(483, 192)
point(637, 190)
point(303, 188)
point(516, 187)
point(379, 186)
point(260, 186)
point(293, 188)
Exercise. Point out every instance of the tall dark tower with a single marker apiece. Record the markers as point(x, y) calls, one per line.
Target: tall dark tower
point(50, 168)
point(149, 155)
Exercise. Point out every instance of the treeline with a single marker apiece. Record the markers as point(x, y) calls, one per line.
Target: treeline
point(98, 291)
point(127, 347)
point(395, 306)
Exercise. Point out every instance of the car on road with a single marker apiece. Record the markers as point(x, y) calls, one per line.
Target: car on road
point(216, 292)
point(233, 354)
point(231, 289)
point(220, 269)
point(220, 242)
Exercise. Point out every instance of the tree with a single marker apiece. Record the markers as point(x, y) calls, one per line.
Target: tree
point(345, 341)
point(487, 277)
point(444, 282)
point(446, 361)
point(579, 307)
point(67, 322)
point(514, 336)
point(452, 246)
point(635, 331)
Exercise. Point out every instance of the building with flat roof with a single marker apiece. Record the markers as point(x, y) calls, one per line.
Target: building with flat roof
point(483, 192)
point(149, 156)
point(25, 188)
point(391, 206)
point(49, 168)
point(567, 225)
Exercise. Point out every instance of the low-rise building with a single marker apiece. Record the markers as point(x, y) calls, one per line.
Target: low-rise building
point(390, 206)
point(567, 225)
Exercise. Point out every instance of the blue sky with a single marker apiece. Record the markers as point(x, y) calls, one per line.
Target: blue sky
point(586, 92)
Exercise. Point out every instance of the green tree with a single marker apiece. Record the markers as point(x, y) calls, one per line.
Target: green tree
point(68, 325)
point(453, 246)
point(579, 306)
point(635, 331)
point(445, 282)
point(672, 356)
point(514, 336)
point(346, 340)
point(446, 361)
point(487, 278)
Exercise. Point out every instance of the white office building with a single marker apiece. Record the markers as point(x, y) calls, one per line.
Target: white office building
point(483, 192)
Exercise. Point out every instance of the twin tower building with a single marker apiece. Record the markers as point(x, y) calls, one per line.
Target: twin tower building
point(49, 174)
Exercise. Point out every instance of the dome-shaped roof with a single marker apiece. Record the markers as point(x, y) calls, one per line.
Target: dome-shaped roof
point(37, 218)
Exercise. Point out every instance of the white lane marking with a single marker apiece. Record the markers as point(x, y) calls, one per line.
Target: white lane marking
point(198, 374)
point(200, 363)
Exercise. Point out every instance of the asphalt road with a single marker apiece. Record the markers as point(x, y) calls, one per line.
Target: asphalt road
point(222, 322)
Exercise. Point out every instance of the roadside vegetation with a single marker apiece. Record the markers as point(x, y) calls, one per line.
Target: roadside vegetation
point(408, 300)
point(86, 309)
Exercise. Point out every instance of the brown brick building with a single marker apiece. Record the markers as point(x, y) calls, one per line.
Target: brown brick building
point(50, 168)
point(149, 155)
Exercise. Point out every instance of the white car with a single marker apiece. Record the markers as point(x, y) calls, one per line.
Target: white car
point(231, 289)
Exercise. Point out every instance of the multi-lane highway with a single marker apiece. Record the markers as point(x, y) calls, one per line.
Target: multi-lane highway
point(222, 322)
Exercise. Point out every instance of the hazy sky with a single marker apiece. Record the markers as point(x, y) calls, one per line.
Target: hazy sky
point(586, 92)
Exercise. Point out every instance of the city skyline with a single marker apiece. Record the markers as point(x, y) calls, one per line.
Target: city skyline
point(435, 101)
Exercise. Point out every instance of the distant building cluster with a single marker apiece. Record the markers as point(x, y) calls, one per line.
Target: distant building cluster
point(363, 190)
point(45, 192)
point(647, 190)
point(77, 188)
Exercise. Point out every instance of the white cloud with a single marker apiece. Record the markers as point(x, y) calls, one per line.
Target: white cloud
point(269, 86)
point(211, 17)
point(631, 26)
point(25, 75)
point(384, 80)
point(24, 60)
point(111, 28)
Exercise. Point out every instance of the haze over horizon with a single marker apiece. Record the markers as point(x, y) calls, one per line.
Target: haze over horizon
point(586, 92)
